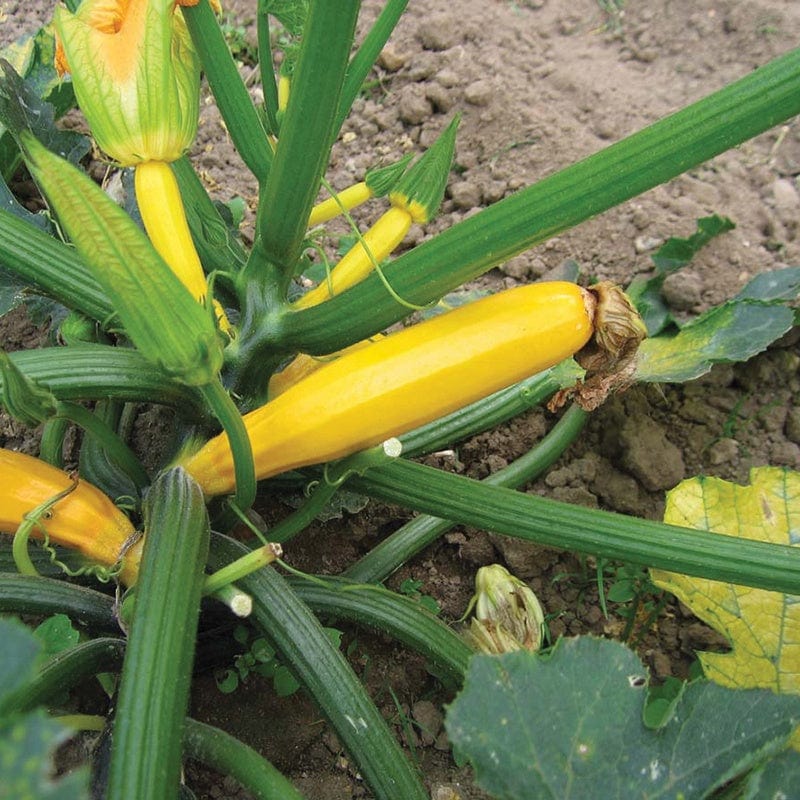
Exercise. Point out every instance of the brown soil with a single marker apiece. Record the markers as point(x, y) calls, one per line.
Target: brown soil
point(541, 84)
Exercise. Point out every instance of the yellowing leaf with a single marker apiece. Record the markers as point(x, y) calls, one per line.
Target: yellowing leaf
point(763, 627)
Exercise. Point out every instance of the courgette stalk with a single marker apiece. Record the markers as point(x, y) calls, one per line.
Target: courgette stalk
point(293, 629)
point(402, 545)
point(45, 596)
point(599, 533)
point(405, 380)
point(65, 670)
point(230, 756)
point(379, 609)
point(156, 675)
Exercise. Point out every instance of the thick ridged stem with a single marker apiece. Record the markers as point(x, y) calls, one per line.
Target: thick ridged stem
point(584, 530)
point(423, 530)
point(293, 629)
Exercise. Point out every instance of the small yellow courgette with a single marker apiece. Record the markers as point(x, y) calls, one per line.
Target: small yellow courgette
point(348, 199)
point(405, 380)
point(377, 243)
point(164, 218)
point(84, 519)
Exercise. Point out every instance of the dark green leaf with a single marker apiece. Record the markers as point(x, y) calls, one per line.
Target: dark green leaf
point(779, 284)
point(290, 13)
point(26, 746)
point(21, 109)
point(779, 777)
point(27, 741)
point(674, 254)
point(17, 656)
point(570, 725)
point(33, 58)
point(9, 203)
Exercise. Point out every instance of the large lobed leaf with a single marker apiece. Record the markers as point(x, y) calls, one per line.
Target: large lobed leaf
point(27, 741)
point(570, 726)
point(763, 627)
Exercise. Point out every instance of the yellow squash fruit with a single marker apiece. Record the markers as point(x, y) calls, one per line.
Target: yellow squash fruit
point(164, 218)
point(84, 519)
point(405, 380)
point(376, 244)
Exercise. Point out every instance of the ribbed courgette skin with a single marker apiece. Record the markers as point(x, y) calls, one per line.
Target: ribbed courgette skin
point(406, 380)
point(154, 689)
point(84, 519)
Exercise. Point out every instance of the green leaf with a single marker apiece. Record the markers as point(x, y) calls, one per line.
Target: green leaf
point(673, 255)
point(27, 741)
point(56, 635)
point(570, 725)
point(26, 747)
point(734, 331)
point(32, 57)
point(22, 109)
point(17, 657)
point(778, 284)
point(778, 778)
point(758, 624)
point(290, 13)
point(676, 252)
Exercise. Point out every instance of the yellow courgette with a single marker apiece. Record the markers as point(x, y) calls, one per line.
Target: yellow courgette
point(407, 379)
point(377, 243)
point(302, 365)
point(164, 218)
point(348, 199)
point(84, 519)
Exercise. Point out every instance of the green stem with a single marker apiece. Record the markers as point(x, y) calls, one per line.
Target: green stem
point(333, 477)
point(64, 671)
point(239, 602)
point(652, 156)
point(119, 451)
point(306, 136)
point(233, 101)
point(101, 372)
point(229, 756)
point(216, 244)
point(51, 446)
point(236, 570)
point(97, 465)
point(401, 617)
point(489, 412)
point(601, 533)
point(156, 676)
point(295, 632)
point(423, 530)
point(266, 69)
point(231, 420)
point(47, 266)
point(46, 596)
point(366, 55)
